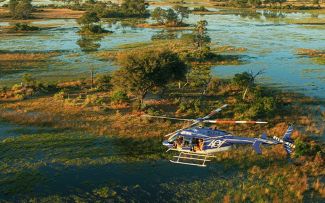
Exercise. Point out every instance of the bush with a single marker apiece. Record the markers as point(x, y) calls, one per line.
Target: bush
point(305, 148)
point(119, 97)
point(153, 112)
point(129, 8)
point(201, 8)
point(28, 80)
point(258, 107)
point(89, 22)
point(20, 9)
point(243, 79)
point(190, 107)
point(103, 82)
point(25, 27)
point(93, 100)
point(60, 95)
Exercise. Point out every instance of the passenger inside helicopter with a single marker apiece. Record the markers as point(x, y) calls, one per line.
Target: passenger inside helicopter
point(197, 144)
point(178, 143)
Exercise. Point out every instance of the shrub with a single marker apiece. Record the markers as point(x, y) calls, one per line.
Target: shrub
point(89, 22)
point(153, 112)
point(305, 148)
point(259, 107)
point(93, 100)
point(103, 82)
point(190, 107)
point(20, 9)
point(201, 8)
point(25, 27)
point(28, 80)
point(60, 95)
point(119, 97)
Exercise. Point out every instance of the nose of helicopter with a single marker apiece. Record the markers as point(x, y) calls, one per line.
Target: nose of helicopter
point(166, 143)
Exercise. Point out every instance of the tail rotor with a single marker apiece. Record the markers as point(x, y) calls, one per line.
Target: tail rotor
point(286, 140)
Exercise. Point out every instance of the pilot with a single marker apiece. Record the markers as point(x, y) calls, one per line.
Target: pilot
point(178, 143)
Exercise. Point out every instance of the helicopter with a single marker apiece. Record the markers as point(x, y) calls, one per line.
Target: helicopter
point(196, 145)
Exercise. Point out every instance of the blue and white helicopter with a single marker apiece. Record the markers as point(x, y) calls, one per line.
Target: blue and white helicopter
point(196, 145)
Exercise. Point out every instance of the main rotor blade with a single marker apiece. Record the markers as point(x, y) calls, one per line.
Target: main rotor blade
point(177, 131)
point(234, 122)
point(212, 113)
point(170, 118)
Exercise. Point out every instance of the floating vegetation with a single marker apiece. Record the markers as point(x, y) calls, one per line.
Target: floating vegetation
point(316, 55)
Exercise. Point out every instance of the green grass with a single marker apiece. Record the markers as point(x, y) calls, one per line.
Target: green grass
point(72, 166)
point(23, 159)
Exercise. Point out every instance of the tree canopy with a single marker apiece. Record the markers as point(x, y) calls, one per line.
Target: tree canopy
point(20, 9)
point(201, 37)
point(143, 71)
point(170, 17)
point(89, 22)
point(88, 18)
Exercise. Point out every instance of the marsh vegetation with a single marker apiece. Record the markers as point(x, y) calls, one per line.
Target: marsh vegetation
point(71, 102)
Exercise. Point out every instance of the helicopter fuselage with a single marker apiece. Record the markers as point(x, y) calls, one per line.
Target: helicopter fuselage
point(213, 140)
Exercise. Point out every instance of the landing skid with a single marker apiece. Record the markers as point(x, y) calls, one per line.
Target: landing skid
point(191, 158)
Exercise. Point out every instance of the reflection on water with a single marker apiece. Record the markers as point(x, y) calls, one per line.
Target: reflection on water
point(89, 43)
point(270, 41)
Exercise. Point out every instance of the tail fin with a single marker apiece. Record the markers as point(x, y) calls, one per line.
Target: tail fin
point(256, 146)
point(286, 140)
point(287, 134)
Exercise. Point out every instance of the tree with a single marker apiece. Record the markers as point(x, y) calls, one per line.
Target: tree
point(171, 17)
point(134, 8)
point(255, 3)
point(20, 9)
point(28, 80)
point(89, 22)
point(88, 18)
point(246, 79)
point(103, 82)
point(158, 15)
point(201, 38)
point(182, 12)
point(281, 2)
point(143, 71)
point(199, 77)
point(12, 7)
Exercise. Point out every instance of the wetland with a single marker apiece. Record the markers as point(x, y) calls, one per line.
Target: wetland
point(71, 131)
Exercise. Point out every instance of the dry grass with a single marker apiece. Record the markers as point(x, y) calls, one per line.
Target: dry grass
point(147, 25)
point(46, 13)
point(310, 52)
point(320, 187)
point(27, 56)
point(3, 12)
point(229, 49)
point(318, 56)
point(58, 13)
point(48, 111)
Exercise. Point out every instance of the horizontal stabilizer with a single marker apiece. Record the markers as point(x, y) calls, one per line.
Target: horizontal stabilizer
point(256, 146)
point(286, 140)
